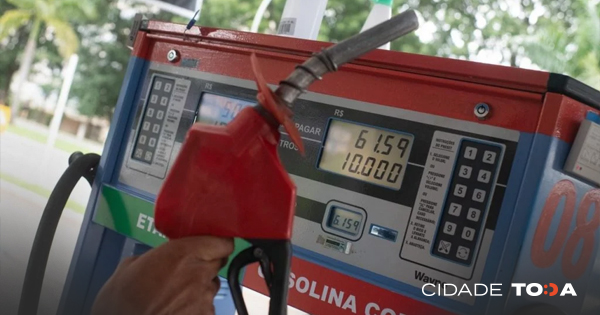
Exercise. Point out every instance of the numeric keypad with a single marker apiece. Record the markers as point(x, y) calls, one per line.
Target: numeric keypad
point(153, 119)
point(468, 197)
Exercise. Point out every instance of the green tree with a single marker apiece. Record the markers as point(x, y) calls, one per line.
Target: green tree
point(571, 48)
point(10, 46)
point(48, 15)
point(103, 57)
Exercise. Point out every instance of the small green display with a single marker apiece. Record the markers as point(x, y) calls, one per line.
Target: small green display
point(345, 220)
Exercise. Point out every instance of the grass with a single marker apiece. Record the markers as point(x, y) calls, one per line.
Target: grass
point(40, 137)
point(39, 190)
point(33, 135)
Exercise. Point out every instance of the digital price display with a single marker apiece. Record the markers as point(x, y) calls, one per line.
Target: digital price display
point(345, 220)
point(220, 110)
point(374, 155)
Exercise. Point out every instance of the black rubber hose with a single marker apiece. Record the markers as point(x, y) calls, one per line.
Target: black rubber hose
point(329, 59)
point(79, 166)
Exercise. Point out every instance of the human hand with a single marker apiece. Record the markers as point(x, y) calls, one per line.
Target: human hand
point(179, 277)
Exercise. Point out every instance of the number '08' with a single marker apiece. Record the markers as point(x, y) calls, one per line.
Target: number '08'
point(584, 230)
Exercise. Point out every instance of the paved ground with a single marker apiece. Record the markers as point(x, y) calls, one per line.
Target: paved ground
point(37, 163)
point(20, 212)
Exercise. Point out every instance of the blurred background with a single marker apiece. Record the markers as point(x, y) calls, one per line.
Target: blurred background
point(62, 63)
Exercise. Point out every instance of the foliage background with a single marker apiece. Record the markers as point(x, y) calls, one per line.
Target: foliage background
point(554, 35)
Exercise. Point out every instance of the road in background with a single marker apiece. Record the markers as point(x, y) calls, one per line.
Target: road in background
point(33, 164)
point(36, 163)
point(20, 213)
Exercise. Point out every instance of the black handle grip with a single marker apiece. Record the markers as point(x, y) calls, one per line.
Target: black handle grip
point(274, 257)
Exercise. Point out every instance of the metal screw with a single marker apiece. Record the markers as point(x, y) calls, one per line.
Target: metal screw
point(481, 110)
point(173, 55)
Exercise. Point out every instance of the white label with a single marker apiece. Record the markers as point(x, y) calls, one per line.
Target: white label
point(588, 161)
point(287, 26)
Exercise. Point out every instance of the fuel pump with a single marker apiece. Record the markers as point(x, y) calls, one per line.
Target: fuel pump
point(229, 181)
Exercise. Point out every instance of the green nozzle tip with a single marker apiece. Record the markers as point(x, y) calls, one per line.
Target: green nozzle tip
point(384, 2)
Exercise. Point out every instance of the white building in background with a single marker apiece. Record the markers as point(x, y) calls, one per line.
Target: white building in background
point(39, 107)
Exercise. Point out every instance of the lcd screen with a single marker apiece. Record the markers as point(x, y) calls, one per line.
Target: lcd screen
point(220, 110)
point(375, 155)
point(345, 220)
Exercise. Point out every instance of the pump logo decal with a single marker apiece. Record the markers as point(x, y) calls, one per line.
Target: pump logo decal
point(565, 240)
point(495, 289)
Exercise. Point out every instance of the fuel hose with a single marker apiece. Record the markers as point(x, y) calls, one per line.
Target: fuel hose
point(80, 165)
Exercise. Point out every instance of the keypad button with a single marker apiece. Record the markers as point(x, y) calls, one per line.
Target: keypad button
point(142, 139)
point(473, 214)
point(168, 87)
point(484, 176)
point(163, 101)
point(479, 195)
point(154, 99)
point(160, 114)
point(489, 157)
point(449, 228)
point(146, 125)
point(463, 252)
point(148, 156)
point(444, 247)
point(465, 171)
point(455, 209)
point(470, 153)
point(150, 112)
point(156, 128)
point(157, 85)
point(152, 142)
point(468, 233)
point(138, 153)
point(460, 190)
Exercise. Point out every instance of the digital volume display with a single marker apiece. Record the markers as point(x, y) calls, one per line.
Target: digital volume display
point(374, 155)
point(345, 220)
point(220, 110)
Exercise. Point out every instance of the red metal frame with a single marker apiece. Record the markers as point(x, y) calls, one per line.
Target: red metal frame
point(561, 116)
point(512, 109)
point(526, 80)
point(517, 97)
